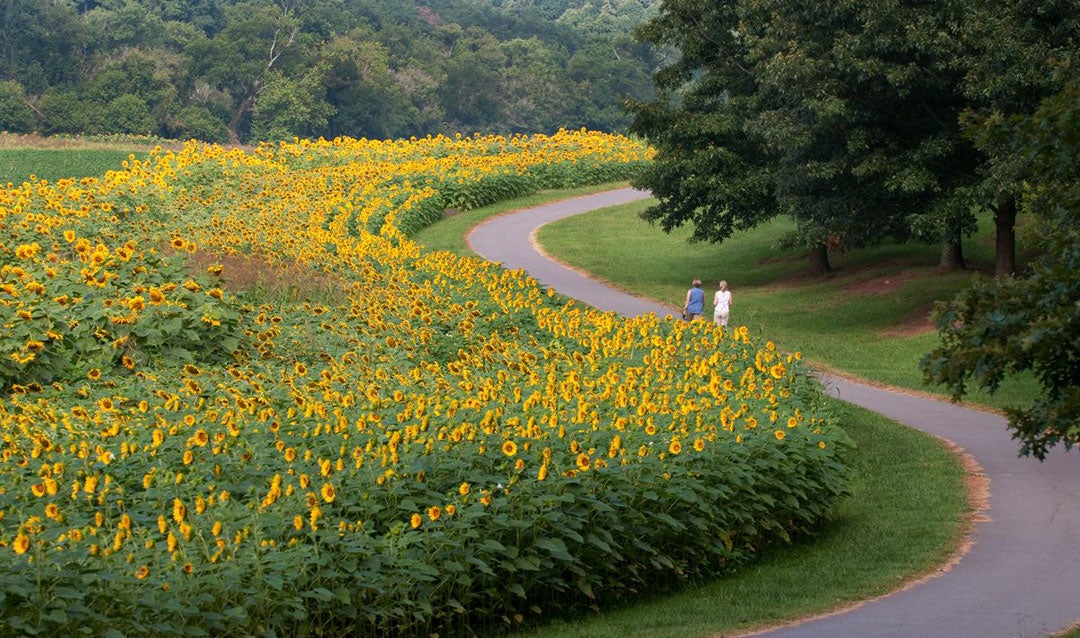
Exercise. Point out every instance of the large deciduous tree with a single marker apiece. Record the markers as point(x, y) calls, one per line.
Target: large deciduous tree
point(709, 171)
point(240, 59)
point(1011, 48)
point(843, 115)
point(1007, 326)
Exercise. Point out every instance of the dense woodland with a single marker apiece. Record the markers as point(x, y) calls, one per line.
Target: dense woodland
point(244, 70)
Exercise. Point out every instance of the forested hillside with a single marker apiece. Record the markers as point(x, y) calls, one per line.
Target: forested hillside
point(244, 70)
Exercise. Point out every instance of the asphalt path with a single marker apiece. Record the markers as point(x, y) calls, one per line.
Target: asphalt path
point(1021, 576)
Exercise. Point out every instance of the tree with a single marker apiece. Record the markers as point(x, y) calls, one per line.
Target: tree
point(534, 87)
point(150, 76)
point(16, 116)
point(1011, 49)
point(708, 170)
point(1000, 328)
point(63, 112)
point(198, 122)
point(251, 45)
point(125, 23)
point(369, 101)
point(127, 114)
point(604, 74)
point(471, 93)
point(846, 114)
point(290, 107)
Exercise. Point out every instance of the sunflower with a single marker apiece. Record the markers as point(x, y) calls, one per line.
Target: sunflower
point(416, 520)
point(328, 493)
point(509, 448)
point(21, 543)
point(583, 461)
point(434, 512)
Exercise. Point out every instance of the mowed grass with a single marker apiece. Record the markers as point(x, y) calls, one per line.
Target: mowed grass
point(870, 318)
point(901, 520)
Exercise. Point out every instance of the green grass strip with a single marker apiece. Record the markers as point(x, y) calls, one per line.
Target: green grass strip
point(449, 233)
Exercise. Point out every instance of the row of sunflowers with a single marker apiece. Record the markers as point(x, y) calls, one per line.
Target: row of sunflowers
point(416, 443)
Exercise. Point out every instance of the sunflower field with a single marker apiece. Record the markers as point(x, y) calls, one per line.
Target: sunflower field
point(403, 443)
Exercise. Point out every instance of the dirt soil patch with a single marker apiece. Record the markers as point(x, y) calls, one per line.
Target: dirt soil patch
point(888, 283)
point(915, 324)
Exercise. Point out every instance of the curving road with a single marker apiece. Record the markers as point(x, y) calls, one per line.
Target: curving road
point(1021, 577)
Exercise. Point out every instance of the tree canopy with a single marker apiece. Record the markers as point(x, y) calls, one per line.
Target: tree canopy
point(848, 116)
point(1009, 325)
point(243, 70)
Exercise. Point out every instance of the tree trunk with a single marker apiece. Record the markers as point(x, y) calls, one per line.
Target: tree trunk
point(819, 260)
point(952, 252)
point(238, 117)
point(1005, 242)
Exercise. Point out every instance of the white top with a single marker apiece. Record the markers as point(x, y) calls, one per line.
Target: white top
point(722, 301)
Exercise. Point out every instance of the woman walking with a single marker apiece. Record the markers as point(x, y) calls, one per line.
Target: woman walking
point(722, 304)
point(695, 302)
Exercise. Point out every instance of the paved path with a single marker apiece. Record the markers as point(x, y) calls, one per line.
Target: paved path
point(1022, 575)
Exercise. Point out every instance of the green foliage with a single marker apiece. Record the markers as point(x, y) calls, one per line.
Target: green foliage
point(64, 113)
point(134, 316)
point(197, 122)
point(126, 114)
point(708, 171)
point(15, 114)
point(995, 330)
point(273, 70)
point(847, 117)
point(19, 165)
point(286, 109)
point(834, 113)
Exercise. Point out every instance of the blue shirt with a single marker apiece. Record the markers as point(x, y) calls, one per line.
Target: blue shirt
point(697, 301)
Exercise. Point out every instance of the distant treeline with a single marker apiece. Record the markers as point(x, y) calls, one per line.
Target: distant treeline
point(244, 70)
